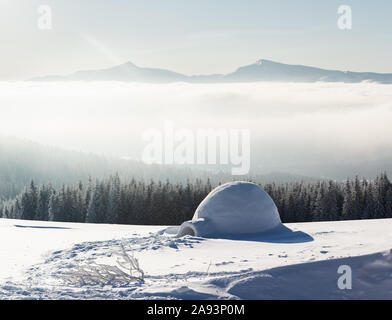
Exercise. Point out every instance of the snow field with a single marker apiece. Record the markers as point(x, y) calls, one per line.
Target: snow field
point(36, 256)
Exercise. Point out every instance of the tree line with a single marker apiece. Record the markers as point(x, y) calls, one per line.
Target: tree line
point(163, 203)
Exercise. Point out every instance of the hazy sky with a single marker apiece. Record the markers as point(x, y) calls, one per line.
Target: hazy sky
point(192, 37)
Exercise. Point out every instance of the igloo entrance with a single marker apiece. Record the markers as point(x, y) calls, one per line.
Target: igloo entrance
point(186, 231)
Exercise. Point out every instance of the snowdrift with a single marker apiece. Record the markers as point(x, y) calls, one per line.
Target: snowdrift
point(235, 208)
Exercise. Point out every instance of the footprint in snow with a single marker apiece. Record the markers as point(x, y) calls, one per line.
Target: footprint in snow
point(224, 263)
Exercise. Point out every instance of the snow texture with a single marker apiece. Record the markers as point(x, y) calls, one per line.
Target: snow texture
point(234, 208)
point(43, 260)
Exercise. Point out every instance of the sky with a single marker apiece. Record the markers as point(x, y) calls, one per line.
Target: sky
point(191, 37)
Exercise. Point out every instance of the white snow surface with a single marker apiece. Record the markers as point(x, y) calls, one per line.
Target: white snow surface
point(234, 208)
point(37, 257)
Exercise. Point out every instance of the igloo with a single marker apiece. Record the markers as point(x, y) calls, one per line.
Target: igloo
point(235, 208)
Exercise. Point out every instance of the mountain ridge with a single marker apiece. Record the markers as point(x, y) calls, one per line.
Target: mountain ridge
point(262, 70)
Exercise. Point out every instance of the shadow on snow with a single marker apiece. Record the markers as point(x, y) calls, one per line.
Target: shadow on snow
point(40, 227)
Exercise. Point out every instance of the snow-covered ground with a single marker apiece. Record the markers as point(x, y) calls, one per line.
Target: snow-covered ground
point(36, 259)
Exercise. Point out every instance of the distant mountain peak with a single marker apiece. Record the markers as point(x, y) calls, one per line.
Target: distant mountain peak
point(265, 62)
point(130, 63)
point(262, 70)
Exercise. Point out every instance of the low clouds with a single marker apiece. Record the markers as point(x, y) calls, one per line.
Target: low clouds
point(289, 122)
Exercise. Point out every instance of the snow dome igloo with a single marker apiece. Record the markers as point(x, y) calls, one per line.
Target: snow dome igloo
point(235, 208)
